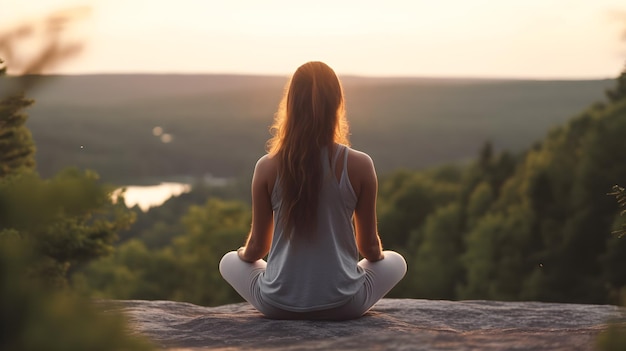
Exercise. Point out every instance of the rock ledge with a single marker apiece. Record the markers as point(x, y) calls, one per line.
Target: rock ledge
point(392, 324)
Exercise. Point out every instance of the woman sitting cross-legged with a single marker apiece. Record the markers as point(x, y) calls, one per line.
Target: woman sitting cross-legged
point(314, 211)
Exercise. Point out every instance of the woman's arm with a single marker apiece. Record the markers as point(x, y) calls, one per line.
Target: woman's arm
point(365, 184)
point(260, 237)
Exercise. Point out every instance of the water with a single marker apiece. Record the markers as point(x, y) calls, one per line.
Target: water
point(146, 196)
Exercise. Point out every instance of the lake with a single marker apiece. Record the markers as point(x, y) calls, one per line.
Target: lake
point(146, 196)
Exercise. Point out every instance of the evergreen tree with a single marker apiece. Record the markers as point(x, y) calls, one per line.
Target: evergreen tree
point(485, 156)
point(17, 148)
point(619, 92)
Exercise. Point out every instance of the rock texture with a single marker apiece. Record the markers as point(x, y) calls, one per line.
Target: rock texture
point(392, 324)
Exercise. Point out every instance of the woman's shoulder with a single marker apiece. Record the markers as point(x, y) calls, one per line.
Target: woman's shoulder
point(266, 168)
point(359, 159)
point(361, 170)
point(266, 162)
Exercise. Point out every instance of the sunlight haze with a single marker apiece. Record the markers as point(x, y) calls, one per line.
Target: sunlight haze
point(450, 38)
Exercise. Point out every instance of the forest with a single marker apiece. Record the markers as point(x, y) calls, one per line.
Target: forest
point(543, 222)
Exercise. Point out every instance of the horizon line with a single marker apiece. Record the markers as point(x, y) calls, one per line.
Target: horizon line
point(346, 75)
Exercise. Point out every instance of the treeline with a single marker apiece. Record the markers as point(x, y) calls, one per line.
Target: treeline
point(527, 226)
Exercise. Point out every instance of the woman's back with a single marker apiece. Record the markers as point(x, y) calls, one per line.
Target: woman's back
point(316, 268)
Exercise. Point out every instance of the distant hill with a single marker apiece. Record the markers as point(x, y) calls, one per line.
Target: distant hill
point(219, 123)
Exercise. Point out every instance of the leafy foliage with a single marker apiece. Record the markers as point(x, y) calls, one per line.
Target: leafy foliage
point(17, 148)
point(68, 219)
point(437, 259)
point(620, 195)
point(618, 92)
point(34, 317)
point(186, 270)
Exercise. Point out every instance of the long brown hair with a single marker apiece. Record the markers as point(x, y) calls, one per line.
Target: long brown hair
point(311, 116)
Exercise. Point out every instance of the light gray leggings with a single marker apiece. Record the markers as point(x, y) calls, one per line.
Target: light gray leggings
point(380, 277)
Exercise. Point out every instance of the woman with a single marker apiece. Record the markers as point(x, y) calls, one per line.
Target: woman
point(305, 194)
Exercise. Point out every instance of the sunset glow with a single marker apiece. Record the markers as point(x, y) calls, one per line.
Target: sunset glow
point(450, 38)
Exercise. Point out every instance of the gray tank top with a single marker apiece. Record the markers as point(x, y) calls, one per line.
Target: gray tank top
point(318, 271)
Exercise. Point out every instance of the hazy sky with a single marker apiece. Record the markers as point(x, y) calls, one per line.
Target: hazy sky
point(475, 38)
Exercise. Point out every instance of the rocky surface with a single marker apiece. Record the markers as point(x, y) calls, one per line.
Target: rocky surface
point(392, 324)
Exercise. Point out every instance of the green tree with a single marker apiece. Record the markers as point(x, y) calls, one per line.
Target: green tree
point(614, 338)
point(211, 231)
point(497, 256)
point(17, 148)
point(185, 270)
point(619, 91)
point(479, 202)
point(405, 201)
point(69, 219)
point(436, 268)
point(35, 317)
point(134, 272)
